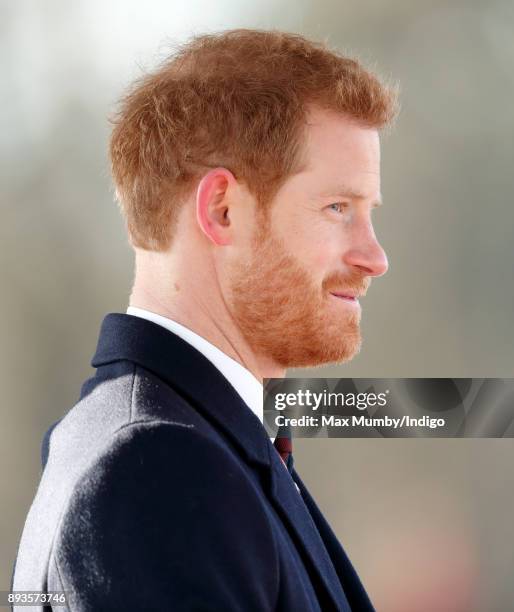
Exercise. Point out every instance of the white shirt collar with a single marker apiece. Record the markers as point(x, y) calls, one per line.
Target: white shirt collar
point(243, 381)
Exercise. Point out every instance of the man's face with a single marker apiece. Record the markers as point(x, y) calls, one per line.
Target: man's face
point(317, 241)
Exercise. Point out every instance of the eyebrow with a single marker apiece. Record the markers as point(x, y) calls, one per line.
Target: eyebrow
point(346, 192)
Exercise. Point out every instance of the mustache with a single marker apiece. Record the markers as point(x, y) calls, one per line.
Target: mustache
point(354, 283)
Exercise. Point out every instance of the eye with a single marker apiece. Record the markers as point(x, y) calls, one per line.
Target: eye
point(338, 206)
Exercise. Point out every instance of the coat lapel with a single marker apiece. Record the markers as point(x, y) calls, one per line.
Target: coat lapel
point(295, 515)
point(348, 577)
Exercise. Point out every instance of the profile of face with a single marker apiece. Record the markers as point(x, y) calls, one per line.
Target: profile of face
point(294, 292)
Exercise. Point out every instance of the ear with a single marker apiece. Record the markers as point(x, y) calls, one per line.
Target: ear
point(212, 205)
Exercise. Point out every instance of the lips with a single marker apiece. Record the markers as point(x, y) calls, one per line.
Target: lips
point(346, 296)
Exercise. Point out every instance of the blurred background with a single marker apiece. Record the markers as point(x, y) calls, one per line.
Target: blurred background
point(427, 522)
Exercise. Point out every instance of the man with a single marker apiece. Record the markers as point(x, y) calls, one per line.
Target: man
point(247, 168)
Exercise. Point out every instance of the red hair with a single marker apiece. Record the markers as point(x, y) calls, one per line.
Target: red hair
point(238, 99)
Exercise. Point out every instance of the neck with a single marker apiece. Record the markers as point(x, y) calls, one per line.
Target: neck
point(196, 309)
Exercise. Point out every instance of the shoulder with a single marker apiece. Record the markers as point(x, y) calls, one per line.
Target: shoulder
point(149, 453)
point(129, 392)
point(111, 406)
point(162, 471)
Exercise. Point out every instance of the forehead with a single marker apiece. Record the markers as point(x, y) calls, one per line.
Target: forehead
point(337, 151)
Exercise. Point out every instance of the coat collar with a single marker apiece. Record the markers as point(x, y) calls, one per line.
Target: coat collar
point(126, 337)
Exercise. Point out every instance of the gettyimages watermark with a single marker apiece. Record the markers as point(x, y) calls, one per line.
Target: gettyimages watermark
point(390, 407)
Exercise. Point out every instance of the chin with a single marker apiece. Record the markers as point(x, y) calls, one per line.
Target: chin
point(318, 355)
point(347, 353)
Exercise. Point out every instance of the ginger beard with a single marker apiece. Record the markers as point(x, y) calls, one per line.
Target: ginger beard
point(285, 315)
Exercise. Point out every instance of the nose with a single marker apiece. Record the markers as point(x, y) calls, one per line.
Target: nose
point(365, 253)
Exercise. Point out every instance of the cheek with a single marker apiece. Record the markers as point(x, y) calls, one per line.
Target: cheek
point(314, 246)
point(321, 256)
